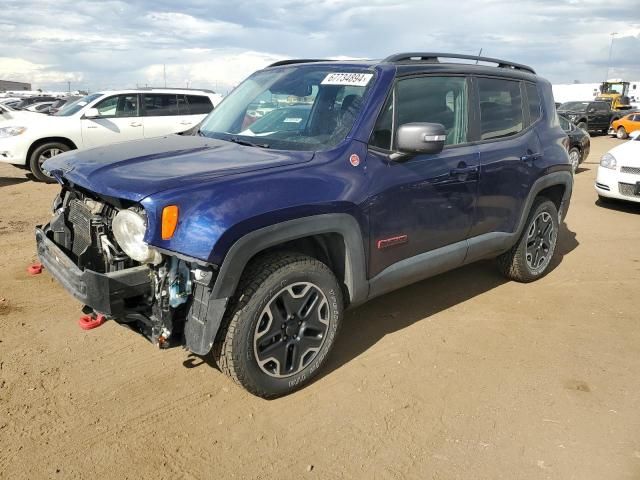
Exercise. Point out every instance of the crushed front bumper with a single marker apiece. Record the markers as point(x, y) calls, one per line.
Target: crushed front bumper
point(104, 292)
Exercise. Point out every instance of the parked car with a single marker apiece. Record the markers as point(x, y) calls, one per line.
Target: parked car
point(40, 107)
point(61, 102)
point(622, 127)
point(590, 116)
point(99, 119)
point(619, 172)
point(28, 101)
point(579, 142)
point(252, 247)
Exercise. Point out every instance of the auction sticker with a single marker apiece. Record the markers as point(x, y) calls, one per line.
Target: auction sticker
point(348, 79)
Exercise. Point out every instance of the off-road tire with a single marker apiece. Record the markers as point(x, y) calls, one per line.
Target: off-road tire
point(513, 264)
point(35, 163)
point(233, 350)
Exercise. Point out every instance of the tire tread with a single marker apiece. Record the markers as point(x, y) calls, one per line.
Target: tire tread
point(256, 273)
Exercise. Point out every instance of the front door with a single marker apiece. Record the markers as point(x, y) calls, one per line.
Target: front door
point(422, 202)
point(119, 121)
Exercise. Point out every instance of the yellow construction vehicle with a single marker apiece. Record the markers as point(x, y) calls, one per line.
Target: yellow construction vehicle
point(616, 92)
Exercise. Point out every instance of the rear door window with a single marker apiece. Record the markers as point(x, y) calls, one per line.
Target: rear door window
point(501, 112)
point(199, 104)
point(160, 104)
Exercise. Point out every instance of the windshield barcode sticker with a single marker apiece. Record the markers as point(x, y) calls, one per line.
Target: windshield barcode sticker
point(348, 79)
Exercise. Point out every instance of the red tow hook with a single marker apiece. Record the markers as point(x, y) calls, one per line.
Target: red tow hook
point(35, 269)
point(88, 322)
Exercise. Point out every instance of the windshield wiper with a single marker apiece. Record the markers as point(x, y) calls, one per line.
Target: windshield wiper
point(245, 143)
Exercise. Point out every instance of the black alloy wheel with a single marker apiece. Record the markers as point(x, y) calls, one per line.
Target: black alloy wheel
point(291, 330)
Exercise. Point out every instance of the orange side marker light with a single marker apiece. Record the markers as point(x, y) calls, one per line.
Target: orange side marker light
point(169, 221)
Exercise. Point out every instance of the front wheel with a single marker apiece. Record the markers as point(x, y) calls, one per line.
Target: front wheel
point(621, 133)
point(529, 259)
point(281, 325)
point(40, 155)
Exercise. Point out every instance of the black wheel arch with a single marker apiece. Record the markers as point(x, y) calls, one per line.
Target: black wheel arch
point(42, 141)
point(313, 235)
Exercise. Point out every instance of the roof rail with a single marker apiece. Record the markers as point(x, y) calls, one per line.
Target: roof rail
point(293, 61)
point(431, 57)
point(206, 90)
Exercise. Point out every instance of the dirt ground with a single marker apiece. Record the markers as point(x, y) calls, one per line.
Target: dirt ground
point(463, 376)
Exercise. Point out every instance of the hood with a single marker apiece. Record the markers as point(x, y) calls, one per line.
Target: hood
point(627, 154)
point(15, 116)
point(134, 170)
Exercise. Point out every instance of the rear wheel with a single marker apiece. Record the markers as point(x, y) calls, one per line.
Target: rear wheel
point(621, 133)
point(43, 153)
point(281, 326)
point(574, 158)
point(529, 259)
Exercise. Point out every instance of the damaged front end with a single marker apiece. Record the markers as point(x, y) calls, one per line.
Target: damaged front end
point(94, 248)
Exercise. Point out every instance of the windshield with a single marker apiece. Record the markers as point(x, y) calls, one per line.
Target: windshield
point(294, 108)
point(577, 106)
point(74, 107)
point(613, 88)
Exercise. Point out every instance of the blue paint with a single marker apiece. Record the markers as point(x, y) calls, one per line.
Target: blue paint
point(224, 190)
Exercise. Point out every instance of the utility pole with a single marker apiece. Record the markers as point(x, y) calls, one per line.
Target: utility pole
point(164, 72)
point(613, 34)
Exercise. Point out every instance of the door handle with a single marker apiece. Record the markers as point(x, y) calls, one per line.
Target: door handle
point(530, 157)
point(135, 124)
point(92, 126)
point(186, 123)
point(464, 173)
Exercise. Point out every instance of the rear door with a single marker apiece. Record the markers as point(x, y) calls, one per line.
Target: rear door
point(161, 114)
point(193, 110)
point(119, 121)
point(510, 151)
point(425, 201)
point(602, 116)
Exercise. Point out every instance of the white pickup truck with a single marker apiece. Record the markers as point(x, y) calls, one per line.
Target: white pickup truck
point(98, 119)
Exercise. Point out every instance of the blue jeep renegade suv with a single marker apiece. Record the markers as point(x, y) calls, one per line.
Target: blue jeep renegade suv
point(313, 187)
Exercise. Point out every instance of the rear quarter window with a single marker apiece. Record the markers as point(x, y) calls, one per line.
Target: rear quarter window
point(199, 104)
point(533, 99)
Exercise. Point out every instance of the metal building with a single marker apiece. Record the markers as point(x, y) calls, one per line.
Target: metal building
point(9, 85)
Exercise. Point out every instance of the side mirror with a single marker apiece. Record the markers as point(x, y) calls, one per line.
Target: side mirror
point(92, 113)
point(591, 110)
point(421, 138)
point(634, 135)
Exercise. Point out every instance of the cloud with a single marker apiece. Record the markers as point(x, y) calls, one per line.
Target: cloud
point(209, 43)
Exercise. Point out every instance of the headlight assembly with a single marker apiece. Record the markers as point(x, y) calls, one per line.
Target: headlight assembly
point(129, 228)
point(6, 132)
point(608, 161)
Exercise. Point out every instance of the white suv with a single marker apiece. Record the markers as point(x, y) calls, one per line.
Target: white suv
point(99, 119)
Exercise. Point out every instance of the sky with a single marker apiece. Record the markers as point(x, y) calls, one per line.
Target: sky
point(215, 44)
